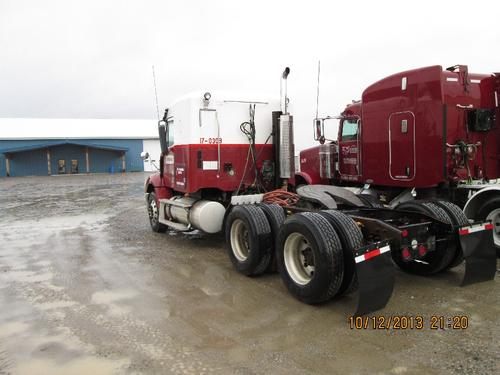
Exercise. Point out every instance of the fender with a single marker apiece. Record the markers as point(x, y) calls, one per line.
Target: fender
point(304, 176)
point(153, 182)
point(475, 201)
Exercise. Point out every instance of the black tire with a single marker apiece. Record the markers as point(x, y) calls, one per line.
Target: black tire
point(320, 246)
point(351, 239)
point(435, 261)
point(458, 218)
point(276, 217)
point(248, 239)
point(154, 214)
point(484, 210)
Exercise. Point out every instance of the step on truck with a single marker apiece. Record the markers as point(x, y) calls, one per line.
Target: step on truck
point(227, 165)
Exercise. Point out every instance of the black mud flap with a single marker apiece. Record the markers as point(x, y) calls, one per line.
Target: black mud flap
point(375, 276)
point(476, 242)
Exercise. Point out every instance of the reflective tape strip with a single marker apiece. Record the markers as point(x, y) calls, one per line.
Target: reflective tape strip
point(372, 253)
point(477, 228)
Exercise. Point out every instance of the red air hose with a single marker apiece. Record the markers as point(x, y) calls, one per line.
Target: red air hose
point(281, 197)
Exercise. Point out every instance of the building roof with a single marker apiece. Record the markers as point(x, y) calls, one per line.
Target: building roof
point(44, 128)
point(13, 150)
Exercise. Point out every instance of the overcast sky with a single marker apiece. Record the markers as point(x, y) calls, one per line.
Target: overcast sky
point(92, 59)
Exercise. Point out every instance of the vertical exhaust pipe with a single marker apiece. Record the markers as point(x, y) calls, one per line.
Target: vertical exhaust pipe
point(286, 145)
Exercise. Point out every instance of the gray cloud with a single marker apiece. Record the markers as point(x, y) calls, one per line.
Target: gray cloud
point(93, 58)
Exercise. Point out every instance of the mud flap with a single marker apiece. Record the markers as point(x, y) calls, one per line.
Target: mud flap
point(375, 273)
point(476, 243)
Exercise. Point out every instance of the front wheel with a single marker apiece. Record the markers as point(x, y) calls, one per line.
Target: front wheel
point(154, 214)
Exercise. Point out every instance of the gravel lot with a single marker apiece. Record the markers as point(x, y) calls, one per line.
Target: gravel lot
point(87, 287)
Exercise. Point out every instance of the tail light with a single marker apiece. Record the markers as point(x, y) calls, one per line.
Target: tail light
point(422, 250)
point(406, 253)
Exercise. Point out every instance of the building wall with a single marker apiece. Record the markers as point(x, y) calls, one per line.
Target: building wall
point(34, 162)
point(28, 164)
point(67, 153)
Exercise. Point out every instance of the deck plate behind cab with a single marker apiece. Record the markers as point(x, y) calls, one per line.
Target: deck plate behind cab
point(329, 196)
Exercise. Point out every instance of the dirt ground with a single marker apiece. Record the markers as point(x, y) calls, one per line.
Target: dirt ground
point(87, 288)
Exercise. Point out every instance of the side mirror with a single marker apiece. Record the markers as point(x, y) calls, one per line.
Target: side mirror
point(144, 155)
point(319, 130)
point(162, 133)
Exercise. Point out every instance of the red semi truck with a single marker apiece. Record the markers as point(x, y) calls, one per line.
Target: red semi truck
point(426, 133)
point(227, 166)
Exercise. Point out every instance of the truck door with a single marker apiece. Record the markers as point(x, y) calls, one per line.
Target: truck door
point(402, 146)
point(349, 150)
point(209, 127)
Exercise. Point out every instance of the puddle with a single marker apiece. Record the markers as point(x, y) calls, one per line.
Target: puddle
point(56, 305)
point(80, 366)
point(13, 328)
point(109, 296)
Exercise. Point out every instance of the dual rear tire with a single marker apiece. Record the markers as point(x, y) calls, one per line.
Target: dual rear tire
point(311, 251)
point(249, 239)
point(444, 256)
point(309, 257)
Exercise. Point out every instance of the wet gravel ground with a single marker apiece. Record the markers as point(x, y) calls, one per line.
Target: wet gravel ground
point(87, 287)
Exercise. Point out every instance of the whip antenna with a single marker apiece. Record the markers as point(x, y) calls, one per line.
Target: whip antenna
point(156, 93)
point(317, 89)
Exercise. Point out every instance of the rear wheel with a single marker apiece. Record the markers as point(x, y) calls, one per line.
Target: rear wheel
point(490, 210)
point(248, 236)
point(457, 217)
point(435, 261)
point(351, 239)
point(154, 214)
point(276, 217)
point(309, 256)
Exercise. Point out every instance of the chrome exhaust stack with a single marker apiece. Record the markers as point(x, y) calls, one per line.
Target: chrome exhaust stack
point(286, 145)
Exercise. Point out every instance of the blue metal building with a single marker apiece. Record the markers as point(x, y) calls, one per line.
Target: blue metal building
point(88, 146)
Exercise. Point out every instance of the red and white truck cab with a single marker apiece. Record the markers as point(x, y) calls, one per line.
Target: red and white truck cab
point(207, 138)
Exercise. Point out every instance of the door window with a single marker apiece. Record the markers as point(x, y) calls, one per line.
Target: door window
point(350, 129)
point(170, 132)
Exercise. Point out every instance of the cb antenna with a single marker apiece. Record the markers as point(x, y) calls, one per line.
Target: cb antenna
point(156, 93)
point(317, 89)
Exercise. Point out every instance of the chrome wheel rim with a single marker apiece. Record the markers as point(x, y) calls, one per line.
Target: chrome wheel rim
point(153, 212)
point(494, 216)
point(299, 258)
point(239, 238)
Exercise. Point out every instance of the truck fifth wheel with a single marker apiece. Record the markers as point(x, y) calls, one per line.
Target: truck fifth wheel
point(226, 165)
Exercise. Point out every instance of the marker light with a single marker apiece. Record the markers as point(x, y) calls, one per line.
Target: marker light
point(422, 250)
point(406, 253)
